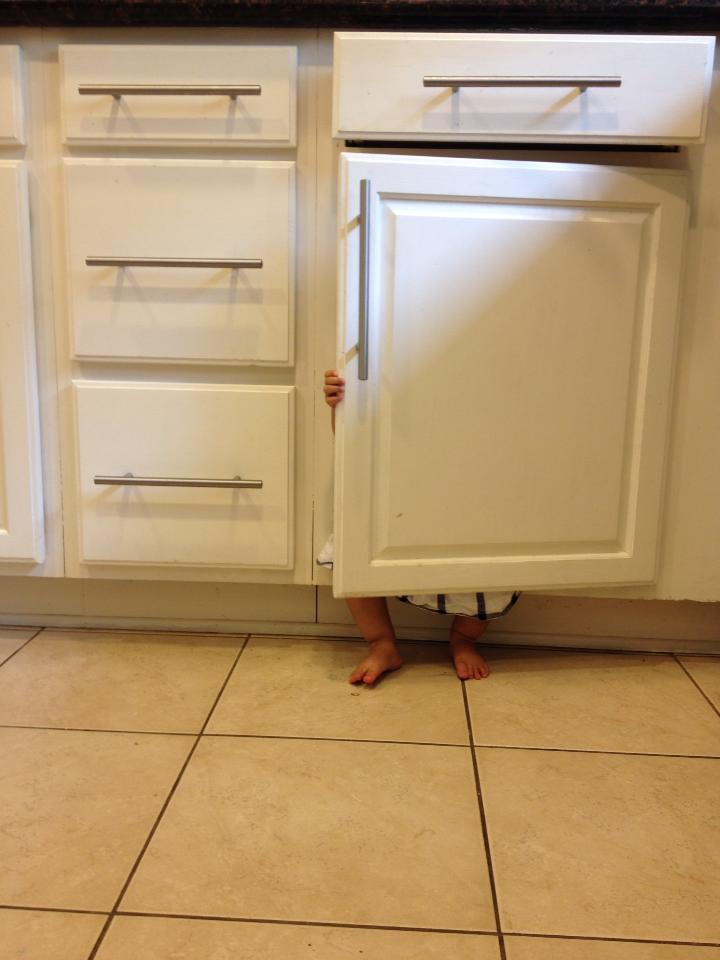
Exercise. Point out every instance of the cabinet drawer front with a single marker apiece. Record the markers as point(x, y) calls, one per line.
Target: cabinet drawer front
point(486, 87)
point(172, 211)
point(11, 108)
point(185, 432)
point(166, 105)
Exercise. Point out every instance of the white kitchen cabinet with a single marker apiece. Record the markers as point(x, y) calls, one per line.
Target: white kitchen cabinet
point(21, 506)
point(12, 117)
point(181, 259)
point(531, 88)
point(184, 474)
point(230, 95)
point(511, 432)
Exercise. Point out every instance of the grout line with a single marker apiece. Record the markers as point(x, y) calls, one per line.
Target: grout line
point(611, 753)
point(412, 743)
point(491, 645)
point(601, 939)
point(164, 807)
point(695, 682)
point(150, 733)
point(356, 926)
point(15, 906)
point(306, 923)
point(483, 823)
point(271, 736)
point(21, 647)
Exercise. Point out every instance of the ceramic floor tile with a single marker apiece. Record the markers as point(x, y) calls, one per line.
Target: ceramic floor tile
point(12, 640)
point(76, 809)
point(591, 701)
point(41, 935)
point(604, 845)
point(298, 687)
point(539, 948)
point(362, 833)
point(706, 673)
point(144, 938)
point(22, 633)
point(115, 681)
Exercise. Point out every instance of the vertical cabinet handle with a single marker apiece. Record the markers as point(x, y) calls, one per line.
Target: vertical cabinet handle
point(364, 279)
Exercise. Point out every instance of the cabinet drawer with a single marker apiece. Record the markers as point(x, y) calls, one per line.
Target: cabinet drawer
point(138, 93)
point(184, 432)
point(171, 211)
point(487, 87)
point(11, 108)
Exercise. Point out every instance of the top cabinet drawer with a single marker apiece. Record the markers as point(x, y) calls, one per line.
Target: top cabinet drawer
point(534, 88)
point(179, 94)
point(11, 114)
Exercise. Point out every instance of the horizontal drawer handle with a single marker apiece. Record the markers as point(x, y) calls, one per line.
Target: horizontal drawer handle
point(171, 262)
point(130, 480)
point(169, 90)
point(582, 82)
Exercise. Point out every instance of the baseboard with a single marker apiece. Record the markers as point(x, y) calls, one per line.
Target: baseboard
point(494, 636)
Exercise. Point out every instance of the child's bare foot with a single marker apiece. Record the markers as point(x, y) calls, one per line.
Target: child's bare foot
point(469, 665)
point(383, 657)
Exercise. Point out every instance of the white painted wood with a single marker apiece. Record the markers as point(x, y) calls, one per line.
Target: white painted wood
point(265, 120)
point(21, 509)
point(189, 430)
point(379, 92)
point(186, 209)
point(512, 431)
point(11, 99)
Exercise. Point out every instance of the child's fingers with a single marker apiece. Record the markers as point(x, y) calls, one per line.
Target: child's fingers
point(333, 388)
point(333, 398)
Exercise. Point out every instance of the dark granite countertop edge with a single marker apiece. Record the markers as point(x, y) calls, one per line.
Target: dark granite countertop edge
point(631, 16)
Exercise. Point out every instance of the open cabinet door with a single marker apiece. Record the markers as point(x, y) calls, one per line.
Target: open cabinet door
point(511, 432)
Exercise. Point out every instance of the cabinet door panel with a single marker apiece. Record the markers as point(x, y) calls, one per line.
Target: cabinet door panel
point(176, 209)
point(21, 510)
point(511, 433)
point(181, 432)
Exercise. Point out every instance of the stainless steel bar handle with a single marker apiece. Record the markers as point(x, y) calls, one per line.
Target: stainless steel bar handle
point(170, 90)
point(130, 480)
point(582, 82)
point(364, 279)
point(171, 262)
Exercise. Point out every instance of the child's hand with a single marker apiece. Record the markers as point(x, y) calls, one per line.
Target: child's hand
point(334, 388)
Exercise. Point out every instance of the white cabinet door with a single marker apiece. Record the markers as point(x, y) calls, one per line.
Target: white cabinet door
point(21, 511)
point(11, 105)
point(511, 432)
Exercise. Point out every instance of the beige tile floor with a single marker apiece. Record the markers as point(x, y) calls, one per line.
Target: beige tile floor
point(186, 797)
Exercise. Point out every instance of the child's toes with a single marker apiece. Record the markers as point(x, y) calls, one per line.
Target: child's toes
point(462, 670)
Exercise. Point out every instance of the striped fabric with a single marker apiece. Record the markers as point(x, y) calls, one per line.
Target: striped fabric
point(479, 606)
